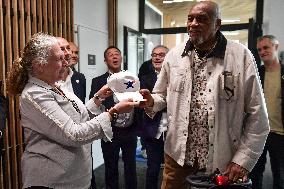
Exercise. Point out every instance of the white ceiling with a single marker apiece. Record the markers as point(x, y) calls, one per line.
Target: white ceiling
point(230, 9)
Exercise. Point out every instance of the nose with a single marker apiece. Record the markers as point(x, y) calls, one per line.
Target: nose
point(64, 62)
point(194, 22)
point(260, 51)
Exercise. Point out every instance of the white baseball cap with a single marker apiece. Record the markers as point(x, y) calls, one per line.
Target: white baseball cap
point(125, 85)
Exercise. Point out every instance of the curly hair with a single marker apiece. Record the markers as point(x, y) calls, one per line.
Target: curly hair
point(36, 50)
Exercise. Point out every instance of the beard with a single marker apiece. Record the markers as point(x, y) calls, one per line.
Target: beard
point(197, 40)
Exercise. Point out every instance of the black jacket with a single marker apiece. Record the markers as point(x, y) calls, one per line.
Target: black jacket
point(78, 81)
point(3, 116)
point(148, 127)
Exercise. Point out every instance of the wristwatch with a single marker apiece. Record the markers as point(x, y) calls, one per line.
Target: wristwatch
point(113, 113)
point(98, 97)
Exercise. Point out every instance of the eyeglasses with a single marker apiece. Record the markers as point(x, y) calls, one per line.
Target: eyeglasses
point(158, 54)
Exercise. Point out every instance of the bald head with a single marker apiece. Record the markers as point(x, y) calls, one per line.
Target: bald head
point(203, 23)
point(211, 8)
point(65, 47)
point(75, 54)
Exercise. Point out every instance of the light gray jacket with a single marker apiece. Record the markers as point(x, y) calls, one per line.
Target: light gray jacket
point(57, 137)
point(238, 124)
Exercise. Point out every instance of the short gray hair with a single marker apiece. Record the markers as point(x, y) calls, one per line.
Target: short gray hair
point(271, 38)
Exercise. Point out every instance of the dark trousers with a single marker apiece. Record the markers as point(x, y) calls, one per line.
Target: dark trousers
point(275, 146)
point(155, 156)
point(128, 145)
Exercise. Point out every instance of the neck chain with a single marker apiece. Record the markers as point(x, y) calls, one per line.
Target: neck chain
point(57, 90)
point(204, 57)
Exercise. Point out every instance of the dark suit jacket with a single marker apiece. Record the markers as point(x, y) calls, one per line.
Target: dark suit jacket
point(262, 77)
point(3, 115)
point(145, 68)
point(148, 127)
point(78, 81)
point(97, 84)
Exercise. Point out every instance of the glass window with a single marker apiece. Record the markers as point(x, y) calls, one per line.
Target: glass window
point(171, 40)
point(173, 13)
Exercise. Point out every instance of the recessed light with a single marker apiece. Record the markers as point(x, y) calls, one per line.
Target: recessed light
point(230, 33)
point(167, 2)
point(231, 20)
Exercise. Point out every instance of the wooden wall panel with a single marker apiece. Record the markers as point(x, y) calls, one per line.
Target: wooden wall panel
point(39, 15)
point(63, 14)
point(112, 22)
point(44, 15)
point(19, 19)
point(68, 22)
point(28, 19)
point(34, 16)
point(55, 18)
point(2, 78)
point(2, 59)
point(50, 18)
point(13, 128)
point(59, 18)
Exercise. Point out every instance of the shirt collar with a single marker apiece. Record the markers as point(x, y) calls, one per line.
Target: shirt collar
point(218, 51)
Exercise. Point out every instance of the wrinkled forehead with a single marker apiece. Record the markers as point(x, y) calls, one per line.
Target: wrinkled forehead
point(56, 51)
point(73, 47)
point(159, 50)
point(202, 9)
point(264, 42)
point(112, 50)
point(62, 42)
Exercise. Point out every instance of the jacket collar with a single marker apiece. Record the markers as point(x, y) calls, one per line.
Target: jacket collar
point(218, 51)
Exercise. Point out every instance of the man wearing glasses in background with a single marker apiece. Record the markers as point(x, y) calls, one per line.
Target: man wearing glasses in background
point(152, 131)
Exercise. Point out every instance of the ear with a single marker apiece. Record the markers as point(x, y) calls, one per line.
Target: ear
point(37, 68)
point(218, 23)
point(276, 47)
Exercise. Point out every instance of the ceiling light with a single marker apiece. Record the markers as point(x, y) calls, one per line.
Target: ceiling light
point(177, 1)
point(167, 2)
point(231, 20)
point(230, 33)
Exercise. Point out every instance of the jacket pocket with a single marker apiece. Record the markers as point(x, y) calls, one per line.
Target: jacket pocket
point(228, 86)
point(178, 80)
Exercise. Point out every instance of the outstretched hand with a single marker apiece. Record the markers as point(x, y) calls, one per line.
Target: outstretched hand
point(235, 172)
point(148, 97)
point(104, 92)
point(125, 106)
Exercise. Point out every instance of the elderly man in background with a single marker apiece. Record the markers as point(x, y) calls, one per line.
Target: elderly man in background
point(215, 105)
point(153, 130)
point(78, 79)
point(272, 78)
point(72, 80)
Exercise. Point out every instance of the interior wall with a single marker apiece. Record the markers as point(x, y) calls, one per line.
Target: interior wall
point(128, 14)
point(19, 20)
point(272, 19)
point(91, 35)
